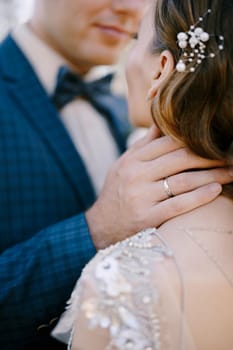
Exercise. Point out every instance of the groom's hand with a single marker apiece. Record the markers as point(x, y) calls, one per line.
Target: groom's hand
point(135, 197)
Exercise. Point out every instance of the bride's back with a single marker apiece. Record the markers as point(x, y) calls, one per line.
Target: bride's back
point(202, 242)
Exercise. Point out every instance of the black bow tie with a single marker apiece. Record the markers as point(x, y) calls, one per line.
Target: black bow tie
point(70, 86)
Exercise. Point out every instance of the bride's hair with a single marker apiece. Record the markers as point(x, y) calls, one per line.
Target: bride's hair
point(197, 107)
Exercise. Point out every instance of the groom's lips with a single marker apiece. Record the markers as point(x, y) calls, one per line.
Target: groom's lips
point(114, 32)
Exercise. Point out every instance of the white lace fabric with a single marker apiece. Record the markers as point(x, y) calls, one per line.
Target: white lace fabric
point(127, 300)
point(139, 294)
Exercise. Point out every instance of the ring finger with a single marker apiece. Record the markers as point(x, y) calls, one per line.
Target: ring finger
point(189, 181)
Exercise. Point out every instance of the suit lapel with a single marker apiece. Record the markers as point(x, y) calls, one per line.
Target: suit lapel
point(31, 97)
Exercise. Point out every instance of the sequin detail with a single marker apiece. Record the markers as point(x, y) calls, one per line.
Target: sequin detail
point(119, 270)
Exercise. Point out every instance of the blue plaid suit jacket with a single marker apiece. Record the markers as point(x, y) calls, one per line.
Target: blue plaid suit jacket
point(44, 191)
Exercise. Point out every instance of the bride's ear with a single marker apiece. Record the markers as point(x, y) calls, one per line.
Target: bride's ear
point(165, 67)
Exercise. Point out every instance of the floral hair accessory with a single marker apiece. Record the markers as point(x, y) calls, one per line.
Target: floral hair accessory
point(193, 45)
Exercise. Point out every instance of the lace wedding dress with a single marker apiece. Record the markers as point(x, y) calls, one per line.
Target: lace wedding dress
point(137, 295)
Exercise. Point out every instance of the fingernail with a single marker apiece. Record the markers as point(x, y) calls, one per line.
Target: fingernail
point(215, 188)
point(231, 171)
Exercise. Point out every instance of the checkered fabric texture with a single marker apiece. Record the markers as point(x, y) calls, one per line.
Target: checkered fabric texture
point(44, 190)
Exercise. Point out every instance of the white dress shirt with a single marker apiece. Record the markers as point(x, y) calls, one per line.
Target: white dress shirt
point(87, 128)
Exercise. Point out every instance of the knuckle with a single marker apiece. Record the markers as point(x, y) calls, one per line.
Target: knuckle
point(184, 154)
point(177, 207)
point(182, 182)
point(129, 175)
point(124, 168)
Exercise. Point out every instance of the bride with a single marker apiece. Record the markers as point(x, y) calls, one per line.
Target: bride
point(170, 288)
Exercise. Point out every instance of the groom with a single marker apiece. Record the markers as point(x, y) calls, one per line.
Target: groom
point(55, 152)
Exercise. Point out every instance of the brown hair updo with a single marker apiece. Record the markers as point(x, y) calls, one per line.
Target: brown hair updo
point(197, 107)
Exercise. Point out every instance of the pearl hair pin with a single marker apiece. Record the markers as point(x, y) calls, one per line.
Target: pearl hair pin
point(193, 45)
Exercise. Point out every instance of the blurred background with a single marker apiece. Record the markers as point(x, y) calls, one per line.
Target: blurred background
point(13, 12)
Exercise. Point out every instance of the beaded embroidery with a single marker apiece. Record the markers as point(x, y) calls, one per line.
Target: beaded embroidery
point(130, 318)
point(127, 303)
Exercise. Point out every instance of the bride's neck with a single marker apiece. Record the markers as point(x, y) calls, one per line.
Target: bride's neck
point(217, 213)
